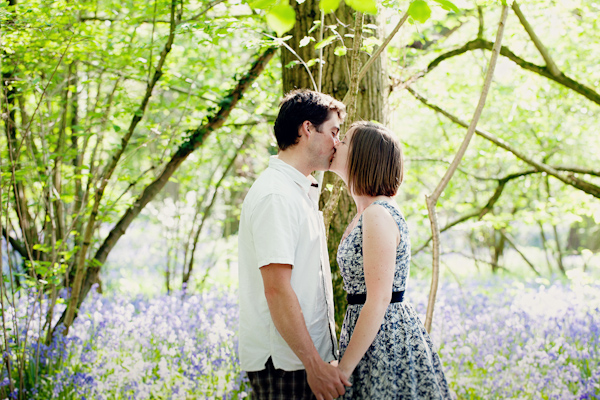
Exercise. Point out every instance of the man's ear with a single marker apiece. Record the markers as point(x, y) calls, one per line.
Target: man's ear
point(305, 129)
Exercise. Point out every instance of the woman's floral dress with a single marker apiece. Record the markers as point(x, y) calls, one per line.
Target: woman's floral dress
point(401, 362)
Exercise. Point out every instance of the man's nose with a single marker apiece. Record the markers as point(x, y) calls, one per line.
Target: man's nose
point(336, 140)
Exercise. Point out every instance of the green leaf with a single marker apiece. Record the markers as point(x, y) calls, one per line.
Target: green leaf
point(447, 5)
point(325, 42)
point(365, 6)
point(116, 127)
point(340, 51)
point(369, 43)
point(67, 198)
point(419, 11)
point(306, 40)
point(281, 18)
point(316, 24)
point(312, 62)
point(328, 6)
point(42, 248)
point(262, 4)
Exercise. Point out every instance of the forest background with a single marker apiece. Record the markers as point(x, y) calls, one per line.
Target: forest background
point(132, 132)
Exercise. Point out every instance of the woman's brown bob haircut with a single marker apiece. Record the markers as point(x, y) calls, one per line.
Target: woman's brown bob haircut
point(375, 160)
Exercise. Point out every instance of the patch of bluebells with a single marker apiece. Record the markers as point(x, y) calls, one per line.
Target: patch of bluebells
point(24, 321)
point(141, 348)
point(500, 339)
point(513, 340)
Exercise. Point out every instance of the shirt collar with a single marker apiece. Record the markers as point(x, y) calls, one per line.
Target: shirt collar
point(295, 175)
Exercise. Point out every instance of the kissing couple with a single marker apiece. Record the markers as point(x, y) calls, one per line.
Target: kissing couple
point(287, 340)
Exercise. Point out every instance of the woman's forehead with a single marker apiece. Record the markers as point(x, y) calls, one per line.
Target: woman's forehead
point(349, 132)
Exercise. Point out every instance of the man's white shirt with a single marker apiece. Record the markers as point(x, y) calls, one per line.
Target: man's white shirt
point(281, 223)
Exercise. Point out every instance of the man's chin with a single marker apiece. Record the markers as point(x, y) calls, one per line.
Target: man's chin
point(325, 167)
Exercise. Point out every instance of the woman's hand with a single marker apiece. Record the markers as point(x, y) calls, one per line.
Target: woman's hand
point(345, 370)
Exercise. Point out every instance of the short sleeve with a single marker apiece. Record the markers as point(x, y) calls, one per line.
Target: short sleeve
point(275, 229)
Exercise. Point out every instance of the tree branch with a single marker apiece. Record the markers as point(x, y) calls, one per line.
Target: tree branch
point(577, 170)
point(444, 229)
point(208, 208)
point(380, 49)
point(481, 260)
point(444, 34)
point(16, 245)
point(481, 27)
point(206, 9)
point(514, 246)
point(570, 179)
point(461, 170)
point(538, 43)
point(158, 72)
point(543, 71)
point(280, 42)
point(478, 213)
point(195, 140)
point(109, 170)
point(433, 198)
point(163, 21)
point(496, 196)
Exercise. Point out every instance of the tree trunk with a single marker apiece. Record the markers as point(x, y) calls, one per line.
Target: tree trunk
point(559, 252)
point(497, 250)
point(371, 104)
point(545, 246)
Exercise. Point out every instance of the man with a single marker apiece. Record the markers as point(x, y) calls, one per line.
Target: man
point(287, 333)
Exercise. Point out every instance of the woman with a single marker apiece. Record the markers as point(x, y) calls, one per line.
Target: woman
point(386, 352)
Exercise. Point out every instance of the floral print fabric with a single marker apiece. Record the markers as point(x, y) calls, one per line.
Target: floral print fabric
point(401, 363)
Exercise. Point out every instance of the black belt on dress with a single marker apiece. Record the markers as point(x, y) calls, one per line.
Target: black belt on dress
point(360, 298)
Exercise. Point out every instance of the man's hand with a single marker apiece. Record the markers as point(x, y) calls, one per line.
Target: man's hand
point(326, 381)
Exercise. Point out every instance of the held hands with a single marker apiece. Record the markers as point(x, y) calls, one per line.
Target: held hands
point(344, 371)
point(327, 381)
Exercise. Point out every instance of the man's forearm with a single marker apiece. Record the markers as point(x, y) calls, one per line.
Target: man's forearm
point(326, 381)
point(289, 321)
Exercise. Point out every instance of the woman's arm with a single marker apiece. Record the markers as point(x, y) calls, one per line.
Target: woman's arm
point(380, 239)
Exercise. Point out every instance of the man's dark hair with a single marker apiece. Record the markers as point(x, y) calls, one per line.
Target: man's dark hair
point(303, 105)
